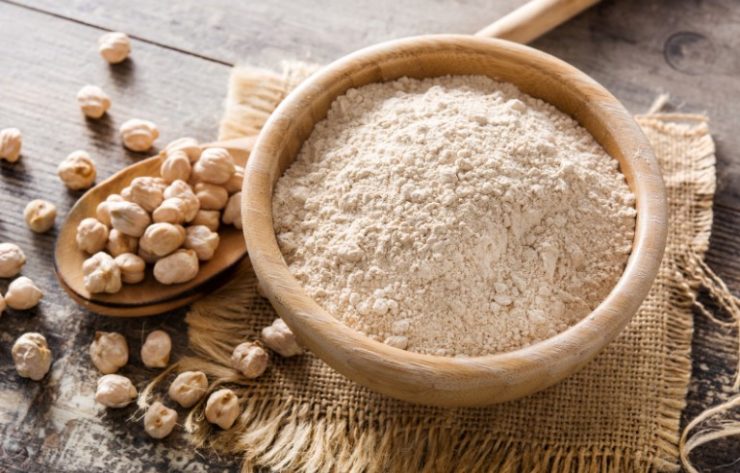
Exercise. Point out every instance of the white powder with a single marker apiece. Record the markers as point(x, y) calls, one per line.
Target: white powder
point(453, 216)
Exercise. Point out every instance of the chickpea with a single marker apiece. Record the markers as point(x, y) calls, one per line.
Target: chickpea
point(281, 339)
point(148, 257)
point(182, 190)
point(179, 267)
point(23, 294)
point(40, 215)
point(109, 352)
point(211, 196)
point(11, 141)
point(188, 145)
point(155, 352)
point(176, 166)
point(250, 359)
point(147, 191)
point(233, 211)
point(92, 235)
point(234, 184)
point(93, 101)
point(31, 356)
point(208, 218)
point(161, 239)
point(138, 135)
point(115, 391)
point(103, 209)
point(3, 305)
point(132, 268)
point(12, 260)
point(77, 171)
point(215, 166)
point(188, 388)
point(118, 243)
point(129, 218)
point(222, 408)
point(172, 210)
point(101, 274)
point(114, 47)
point(159, 420)
point(201, 240)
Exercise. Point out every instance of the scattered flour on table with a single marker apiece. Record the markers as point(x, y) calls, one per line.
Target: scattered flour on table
point(453, 216)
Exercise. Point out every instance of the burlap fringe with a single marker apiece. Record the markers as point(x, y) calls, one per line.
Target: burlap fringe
point(694, 275)
point(255, 93)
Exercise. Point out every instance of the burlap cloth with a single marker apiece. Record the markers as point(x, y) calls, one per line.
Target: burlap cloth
point(620, 413)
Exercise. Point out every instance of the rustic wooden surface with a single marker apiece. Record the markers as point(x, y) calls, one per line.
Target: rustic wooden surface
point(177, 78)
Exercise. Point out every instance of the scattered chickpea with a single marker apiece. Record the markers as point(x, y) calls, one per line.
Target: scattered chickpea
point(114, 47)
point(188, 388)
point(215, 166)
point(93, 101)
point(101, 274)
point(92, 235)
point(189, 145)
point(115, 391)
point(23, 294)
point(103, 209)
point(11, 141)
point(31, 356)
point(132, 268)
point(222, 408)
point(179, 267)
point(234, 184)
point(250, 359)
point(40, 215)
point(155, 352)
point(210, 219)
point(119, 243)
point(147, 191)
point(279, 338)
point(77, 171)
point(176, 166)
point(202, 240)
point(397, 341)
point(233, 211)
point(211, 196)
point(159, 420)
point(12, 260)
point(129, 218)
point(138, 135)
point(109, 352)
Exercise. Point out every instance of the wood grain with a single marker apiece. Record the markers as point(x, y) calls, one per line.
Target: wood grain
point(636, 48)
point(444, 381)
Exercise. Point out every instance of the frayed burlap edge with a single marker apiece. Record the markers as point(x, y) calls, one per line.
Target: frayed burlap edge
point(294, 435)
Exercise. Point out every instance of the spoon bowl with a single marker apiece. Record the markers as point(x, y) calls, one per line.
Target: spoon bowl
point(148, 297)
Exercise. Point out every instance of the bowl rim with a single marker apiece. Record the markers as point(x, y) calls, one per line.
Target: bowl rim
point(430, 379)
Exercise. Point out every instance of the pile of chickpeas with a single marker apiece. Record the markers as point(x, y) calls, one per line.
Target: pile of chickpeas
point(170, 221)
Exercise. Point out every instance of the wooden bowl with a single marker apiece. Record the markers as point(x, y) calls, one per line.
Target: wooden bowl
point(430, 379)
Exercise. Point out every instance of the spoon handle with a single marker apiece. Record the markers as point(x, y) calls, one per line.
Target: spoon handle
point(534, 18)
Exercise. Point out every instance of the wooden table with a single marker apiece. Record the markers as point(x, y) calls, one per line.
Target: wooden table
point(183, 52)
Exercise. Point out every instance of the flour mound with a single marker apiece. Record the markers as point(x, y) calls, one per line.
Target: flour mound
point(453, 216)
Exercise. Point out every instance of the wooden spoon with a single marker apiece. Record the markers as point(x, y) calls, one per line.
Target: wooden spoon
point(149, 297)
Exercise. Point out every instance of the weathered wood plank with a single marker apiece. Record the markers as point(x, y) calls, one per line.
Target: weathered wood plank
point(55, 425)
point(636, 48)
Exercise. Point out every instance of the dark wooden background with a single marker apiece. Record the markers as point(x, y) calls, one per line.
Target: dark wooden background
point(182, 53)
